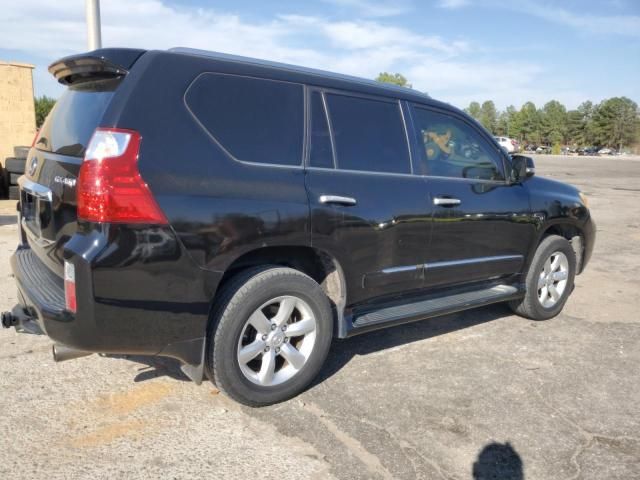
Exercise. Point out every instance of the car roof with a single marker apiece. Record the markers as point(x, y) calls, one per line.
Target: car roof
point(316, 76)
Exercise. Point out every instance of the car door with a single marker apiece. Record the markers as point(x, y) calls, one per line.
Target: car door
point(367, 208)
point(482, 227)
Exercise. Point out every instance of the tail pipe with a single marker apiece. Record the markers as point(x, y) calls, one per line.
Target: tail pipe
point(62, 353)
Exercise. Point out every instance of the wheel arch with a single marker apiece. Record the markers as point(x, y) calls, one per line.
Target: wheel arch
point(570, 231)
point(318, 264)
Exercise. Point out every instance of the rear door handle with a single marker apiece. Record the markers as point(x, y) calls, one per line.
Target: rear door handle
point(446, 201)
point(337, 199)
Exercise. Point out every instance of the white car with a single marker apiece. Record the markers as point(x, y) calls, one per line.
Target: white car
point(508, 144)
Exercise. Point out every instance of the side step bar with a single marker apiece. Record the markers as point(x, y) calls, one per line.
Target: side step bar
point(432, 307)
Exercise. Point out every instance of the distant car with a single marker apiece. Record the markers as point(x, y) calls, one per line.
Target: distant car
point(543, 149)
point(590, 151)
point(509, 144)
point(605, 151)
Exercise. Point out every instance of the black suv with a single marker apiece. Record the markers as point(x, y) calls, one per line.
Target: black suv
point(237, 215)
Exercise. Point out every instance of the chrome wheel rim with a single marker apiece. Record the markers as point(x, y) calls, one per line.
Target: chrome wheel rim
point(552, 280)
point(276, 341)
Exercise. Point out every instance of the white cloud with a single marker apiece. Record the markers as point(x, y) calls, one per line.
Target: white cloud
point(453, 4)
point(605, 23)
point(372, 8)
point(444, 67)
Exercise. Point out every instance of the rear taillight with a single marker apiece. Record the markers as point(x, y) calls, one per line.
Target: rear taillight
point(110, 188)
point(70, 287)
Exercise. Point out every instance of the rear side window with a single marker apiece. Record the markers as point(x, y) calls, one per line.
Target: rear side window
point(255, 120)
point(369, 134)
point(68, 128)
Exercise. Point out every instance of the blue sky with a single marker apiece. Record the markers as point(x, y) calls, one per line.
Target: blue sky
point(456, 50)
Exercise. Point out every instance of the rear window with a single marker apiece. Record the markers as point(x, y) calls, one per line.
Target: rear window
point(369, 134)
point(254, 120)
point(68, 128)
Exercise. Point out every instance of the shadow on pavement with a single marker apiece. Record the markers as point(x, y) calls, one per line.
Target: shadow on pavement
point(8, 220)
point(498, 461)
point(342, 351)
point(154, 367)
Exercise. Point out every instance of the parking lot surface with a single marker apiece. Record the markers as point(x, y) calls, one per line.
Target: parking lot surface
point(481, 394)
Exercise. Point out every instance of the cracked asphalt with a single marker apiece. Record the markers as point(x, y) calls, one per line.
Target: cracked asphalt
point(481, 394)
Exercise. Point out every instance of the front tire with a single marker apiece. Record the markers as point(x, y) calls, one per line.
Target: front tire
point(270, 334)
point(549, 280)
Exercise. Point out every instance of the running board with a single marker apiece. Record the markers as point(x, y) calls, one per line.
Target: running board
point(432, 307)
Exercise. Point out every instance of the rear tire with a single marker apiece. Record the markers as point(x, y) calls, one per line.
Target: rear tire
point(21, 152)
point(549, 280)
point(14, 165)
point(14, 193)
point(269, 336)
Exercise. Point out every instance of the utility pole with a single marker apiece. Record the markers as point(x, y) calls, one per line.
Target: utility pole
point(94, 36)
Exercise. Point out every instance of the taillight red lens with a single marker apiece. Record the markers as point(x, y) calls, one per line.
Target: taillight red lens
point(70, 287)
point(110, 188)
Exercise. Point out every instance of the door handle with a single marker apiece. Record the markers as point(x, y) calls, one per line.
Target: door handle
point(337, 199)
point(446, 202)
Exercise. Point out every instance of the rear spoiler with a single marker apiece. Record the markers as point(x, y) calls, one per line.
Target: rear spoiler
point(102, 63)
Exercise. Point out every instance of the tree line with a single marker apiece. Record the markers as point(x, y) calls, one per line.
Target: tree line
point(614, 122)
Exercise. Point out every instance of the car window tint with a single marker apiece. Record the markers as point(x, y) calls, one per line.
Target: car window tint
point(368, 134)
point(450, 147)
point(255, 120)
point(320, 152)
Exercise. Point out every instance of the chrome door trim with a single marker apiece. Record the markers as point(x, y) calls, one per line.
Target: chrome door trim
point(451, 263)
point(400, 269)
point(470, 261)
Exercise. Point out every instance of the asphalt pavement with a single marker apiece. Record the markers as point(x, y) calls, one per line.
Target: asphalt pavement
point(480, 394)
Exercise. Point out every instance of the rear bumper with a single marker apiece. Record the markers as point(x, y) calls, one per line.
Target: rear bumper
point(40, 291)
point(130, 300)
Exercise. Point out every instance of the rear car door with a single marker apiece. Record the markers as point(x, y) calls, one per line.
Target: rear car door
point(367, 208)
point(482, 226)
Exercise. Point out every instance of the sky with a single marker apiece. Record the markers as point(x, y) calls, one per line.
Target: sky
point(458, 51)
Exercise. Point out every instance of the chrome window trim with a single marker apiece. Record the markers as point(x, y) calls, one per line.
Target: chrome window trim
point(427, 177)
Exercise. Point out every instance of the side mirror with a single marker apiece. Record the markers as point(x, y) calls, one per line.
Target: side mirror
point(522, 168)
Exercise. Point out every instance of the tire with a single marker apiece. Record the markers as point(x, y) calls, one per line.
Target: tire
point(254, 294)
point(13, 179)
point(14, 193)
point(537, 305)
point(14, 165)
point(21, 152)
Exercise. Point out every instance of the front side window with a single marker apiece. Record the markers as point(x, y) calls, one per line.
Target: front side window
point(368, 134)
point(255, 120)
point(449, 147)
